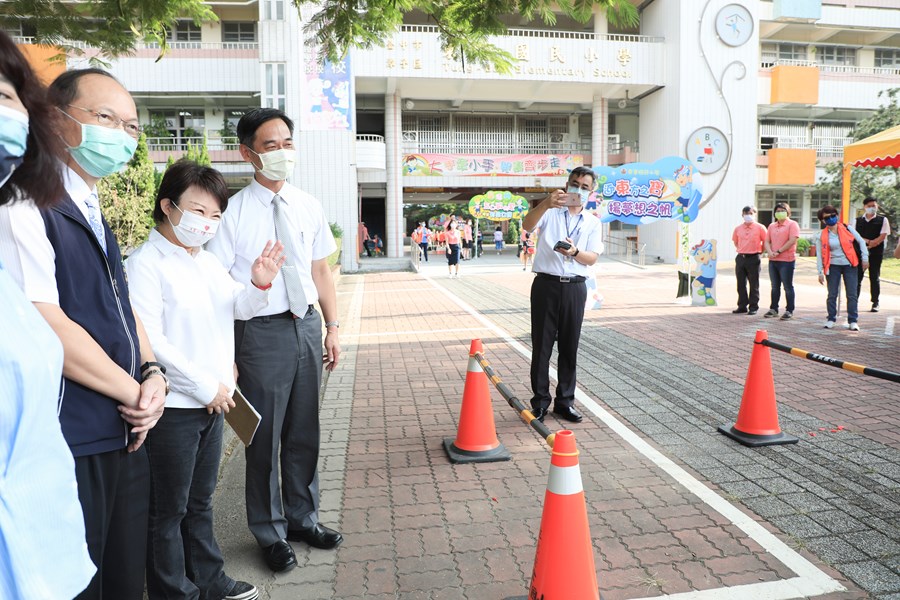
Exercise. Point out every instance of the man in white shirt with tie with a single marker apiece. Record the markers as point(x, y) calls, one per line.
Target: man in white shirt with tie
point(569, 243)
point(279, 352)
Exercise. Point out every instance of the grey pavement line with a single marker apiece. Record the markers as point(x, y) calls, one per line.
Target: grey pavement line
point(811, 581)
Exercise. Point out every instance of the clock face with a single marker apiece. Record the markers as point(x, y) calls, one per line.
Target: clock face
point(734, 25)
point(708, 149)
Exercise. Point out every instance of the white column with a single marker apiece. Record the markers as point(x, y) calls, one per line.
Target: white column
point(599, 132)
point(601, 25)
point(393, 183)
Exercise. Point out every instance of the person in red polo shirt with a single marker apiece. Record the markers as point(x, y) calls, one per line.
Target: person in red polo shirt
point(749, 241)
point(781, 245)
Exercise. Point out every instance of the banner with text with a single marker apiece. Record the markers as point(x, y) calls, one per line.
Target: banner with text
point(638, 193)
point(468, 165)
point(498, 206)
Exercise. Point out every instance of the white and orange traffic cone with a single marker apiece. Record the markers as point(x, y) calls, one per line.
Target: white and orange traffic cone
point(476, 438)
point(564, 561)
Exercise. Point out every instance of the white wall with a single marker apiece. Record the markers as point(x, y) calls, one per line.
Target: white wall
point(692, 100)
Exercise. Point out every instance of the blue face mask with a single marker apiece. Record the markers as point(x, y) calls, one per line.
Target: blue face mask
point(13, 140)
point(831, 220)
point(102, 151)
point(577, 190)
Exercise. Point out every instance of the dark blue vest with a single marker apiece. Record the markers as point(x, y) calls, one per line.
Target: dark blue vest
point(93, 292)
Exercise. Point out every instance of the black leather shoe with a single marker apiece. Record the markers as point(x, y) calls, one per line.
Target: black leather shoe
point(539, 413)
point(752, 311)
point(317, 536)
point(568, 413)
point(739, 311)
point(280, 556)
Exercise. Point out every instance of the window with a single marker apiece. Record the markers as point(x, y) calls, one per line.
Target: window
point(275, 86)
point(273, 10)
point(836, 55)
point(239, 32)
point(765, 204)
point(183, 126)
point(185, 31)
point(885, 57)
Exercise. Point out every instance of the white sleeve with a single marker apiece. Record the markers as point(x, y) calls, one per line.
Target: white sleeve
point(885, 227)
point(594, 242)
point(26, 252)
point(145, 287)
point(323, 243)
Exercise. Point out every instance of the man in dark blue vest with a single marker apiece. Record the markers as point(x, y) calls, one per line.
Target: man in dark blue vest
point(68, 263)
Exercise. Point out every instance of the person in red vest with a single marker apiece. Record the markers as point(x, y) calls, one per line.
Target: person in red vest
point(836, 257)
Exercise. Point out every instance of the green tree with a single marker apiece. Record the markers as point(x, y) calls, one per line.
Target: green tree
point(882, 184)
point(198, 154)
point(512, 232)
point(466, 26)
point(113, 26)
point(127, 199)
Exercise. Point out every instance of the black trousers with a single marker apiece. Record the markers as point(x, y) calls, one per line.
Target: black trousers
point(874, 276)
point(557, 311)
point(114, 490)
point(746, 270)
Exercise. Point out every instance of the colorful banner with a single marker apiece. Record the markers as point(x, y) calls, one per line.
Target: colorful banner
point(326, 103)
point(481, 165)
point(438, 222)
point(498, 206)
point(639, 193)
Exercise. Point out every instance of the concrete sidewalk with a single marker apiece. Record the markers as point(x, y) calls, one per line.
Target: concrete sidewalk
point(674, 507)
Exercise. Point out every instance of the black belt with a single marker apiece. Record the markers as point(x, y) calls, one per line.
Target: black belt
point(563, 279)
point(285, 315)
point(751, 254)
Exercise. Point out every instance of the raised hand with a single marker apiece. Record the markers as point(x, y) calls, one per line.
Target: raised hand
point(266, 267)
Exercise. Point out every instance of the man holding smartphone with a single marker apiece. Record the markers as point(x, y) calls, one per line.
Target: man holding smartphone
point(570, 242)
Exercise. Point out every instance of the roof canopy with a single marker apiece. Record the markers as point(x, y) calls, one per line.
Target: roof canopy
point(879, 150)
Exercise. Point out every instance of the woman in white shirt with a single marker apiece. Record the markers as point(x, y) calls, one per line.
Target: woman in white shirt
point(188, 303)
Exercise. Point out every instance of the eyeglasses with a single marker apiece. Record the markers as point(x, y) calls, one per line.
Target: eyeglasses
point(132, 128)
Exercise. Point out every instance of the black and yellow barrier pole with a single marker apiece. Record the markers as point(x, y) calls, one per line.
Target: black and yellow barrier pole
point(513, 401)
point(833, 362)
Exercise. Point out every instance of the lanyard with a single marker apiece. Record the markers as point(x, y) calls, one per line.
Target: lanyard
point(575, 227)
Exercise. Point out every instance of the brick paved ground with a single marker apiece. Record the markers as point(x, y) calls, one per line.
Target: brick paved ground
point(418, 527)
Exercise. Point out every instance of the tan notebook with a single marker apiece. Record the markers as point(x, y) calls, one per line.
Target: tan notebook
point(243, 418)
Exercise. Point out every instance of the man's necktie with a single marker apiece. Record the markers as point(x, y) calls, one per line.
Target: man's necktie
point(296, 295)
point(95, 220)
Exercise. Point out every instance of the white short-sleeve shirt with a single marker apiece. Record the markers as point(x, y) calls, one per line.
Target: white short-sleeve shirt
point(556, 225)
point(25, 250)
point(249, 222)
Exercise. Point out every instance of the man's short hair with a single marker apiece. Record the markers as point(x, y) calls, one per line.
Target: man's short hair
point(64, 88)
point(748, 210)
point(253, 120)
point(581, 172)
point(869, 200)
point(183, 175)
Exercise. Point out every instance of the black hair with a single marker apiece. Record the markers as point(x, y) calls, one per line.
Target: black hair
point(747, 210)
point(868, 200)
point(581, 172)
point(781, 205)
point(64, 88)
point(253, 120)
point(183, 175)
point(39, 177)
point(826, 209)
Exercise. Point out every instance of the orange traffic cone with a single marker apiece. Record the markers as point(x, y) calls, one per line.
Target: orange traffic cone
point(564, 561)
point(757, 422)
point(476, 438)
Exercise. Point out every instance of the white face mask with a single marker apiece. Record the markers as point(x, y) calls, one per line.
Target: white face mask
point(870, 210)
point(193, 230)
point(277, 165)
point(748, 218)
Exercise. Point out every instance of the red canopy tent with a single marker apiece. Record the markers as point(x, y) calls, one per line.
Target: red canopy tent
point(880, 150)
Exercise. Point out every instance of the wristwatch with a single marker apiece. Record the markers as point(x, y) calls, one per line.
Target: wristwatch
point(155, 371)
point(577, 251)
point(332, 324)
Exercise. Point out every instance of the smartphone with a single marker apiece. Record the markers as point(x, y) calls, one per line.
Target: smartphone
point(571, 199)
point(561, 245)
